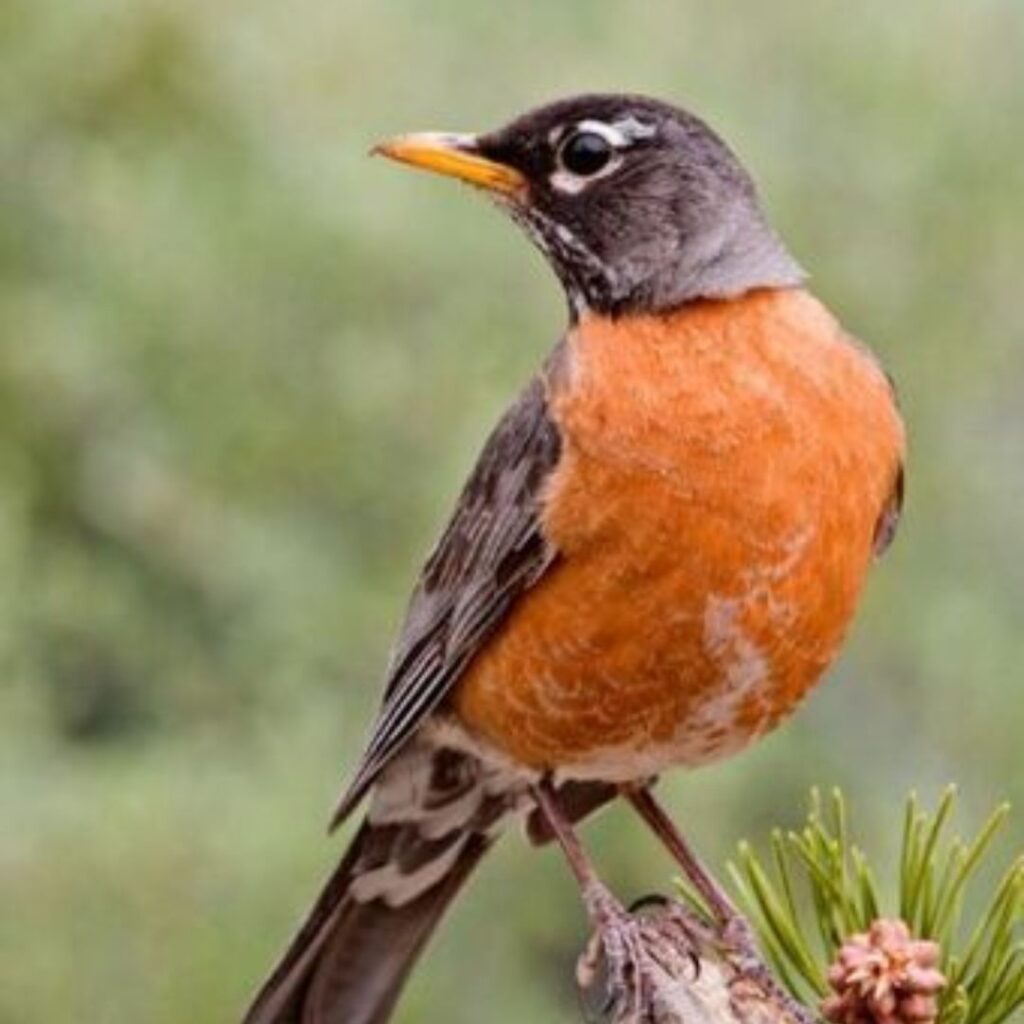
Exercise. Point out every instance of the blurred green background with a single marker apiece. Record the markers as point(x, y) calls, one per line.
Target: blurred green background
point(243, 370)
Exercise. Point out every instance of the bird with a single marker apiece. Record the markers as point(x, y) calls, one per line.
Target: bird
point(656, 556)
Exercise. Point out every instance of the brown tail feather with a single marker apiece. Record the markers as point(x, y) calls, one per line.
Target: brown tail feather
point(350, 960)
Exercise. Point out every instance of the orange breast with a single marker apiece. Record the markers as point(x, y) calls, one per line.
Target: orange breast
point(723, 473)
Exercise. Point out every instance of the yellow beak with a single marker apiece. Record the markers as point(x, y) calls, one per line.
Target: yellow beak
point(455, 157)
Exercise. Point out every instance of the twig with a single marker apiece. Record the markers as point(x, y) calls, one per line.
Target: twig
point(692, 976)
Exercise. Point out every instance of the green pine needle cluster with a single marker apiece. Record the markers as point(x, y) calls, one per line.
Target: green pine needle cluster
point(817, 888)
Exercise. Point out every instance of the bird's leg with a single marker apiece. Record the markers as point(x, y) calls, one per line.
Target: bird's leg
point(733, 928)
point(616, 932)
point(723, 910)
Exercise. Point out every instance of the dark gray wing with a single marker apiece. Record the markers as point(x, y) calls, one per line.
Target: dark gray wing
point(889, 520)
point(492, 551)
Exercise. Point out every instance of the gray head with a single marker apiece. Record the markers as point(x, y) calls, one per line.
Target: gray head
point(638, 206)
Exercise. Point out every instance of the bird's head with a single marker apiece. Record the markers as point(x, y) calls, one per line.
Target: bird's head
point(638, 206)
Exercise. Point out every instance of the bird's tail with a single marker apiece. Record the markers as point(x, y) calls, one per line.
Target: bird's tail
point(428, 827)
point(434, 813)
point(350, 960)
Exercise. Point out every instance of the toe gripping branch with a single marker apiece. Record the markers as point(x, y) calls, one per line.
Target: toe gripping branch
point(660, 961)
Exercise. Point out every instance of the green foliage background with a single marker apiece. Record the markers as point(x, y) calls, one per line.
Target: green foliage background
point(243, 369)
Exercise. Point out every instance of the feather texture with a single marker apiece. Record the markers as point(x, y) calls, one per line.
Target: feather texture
point(492, 551)
point(435, 813)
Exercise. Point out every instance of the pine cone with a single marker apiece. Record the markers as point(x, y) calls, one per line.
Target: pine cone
point(884, 976)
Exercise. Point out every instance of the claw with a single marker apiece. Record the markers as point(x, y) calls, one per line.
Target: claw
point(616, 959)
point(654, 899)
point(631, 956)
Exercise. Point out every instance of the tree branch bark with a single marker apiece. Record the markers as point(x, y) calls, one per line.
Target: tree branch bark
point(689, 974)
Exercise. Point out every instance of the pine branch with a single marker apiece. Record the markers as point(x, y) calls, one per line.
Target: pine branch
point(839, 947)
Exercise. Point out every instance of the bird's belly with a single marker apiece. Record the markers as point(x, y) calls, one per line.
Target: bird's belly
point(715, 508)
point(675, 641)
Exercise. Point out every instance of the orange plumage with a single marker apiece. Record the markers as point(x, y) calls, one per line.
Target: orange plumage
point(724, 472)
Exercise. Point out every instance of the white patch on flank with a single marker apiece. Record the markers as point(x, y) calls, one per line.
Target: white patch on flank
point(403, 797)
point(710, 729)
point(742, 663)
point(389, 884)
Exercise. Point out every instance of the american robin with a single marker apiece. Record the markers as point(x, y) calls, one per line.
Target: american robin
point(656, 556)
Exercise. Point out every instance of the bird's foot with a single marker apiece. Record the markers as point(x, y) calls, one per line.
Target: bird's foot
point(732, 932)
point(631, 955)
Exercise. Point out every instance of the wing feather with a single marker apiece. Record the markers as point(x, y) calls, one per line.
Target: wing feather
point(492, 551)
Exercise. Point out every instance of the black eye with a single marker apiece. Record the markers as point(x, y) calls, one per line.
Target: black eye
point(585, 153)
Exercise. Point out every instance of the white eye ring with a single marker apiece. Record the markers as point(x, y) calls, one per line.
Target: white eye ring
point(565, 180)
point(609, 132)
